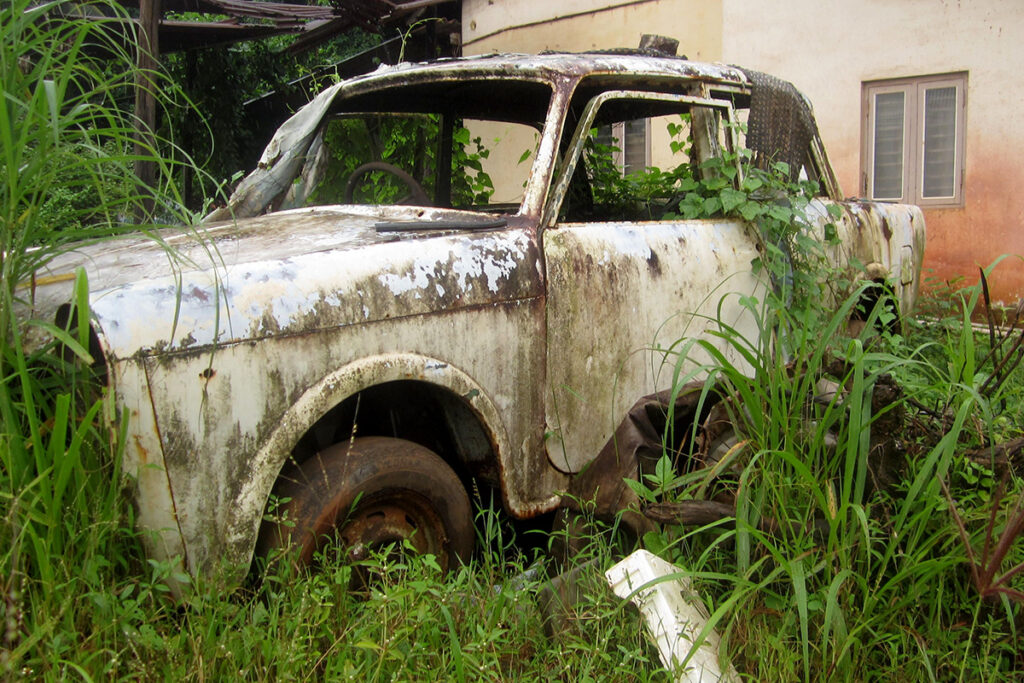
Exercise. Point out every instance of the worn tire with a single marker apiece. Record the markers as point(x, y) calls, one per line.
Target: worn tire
point(367, 494)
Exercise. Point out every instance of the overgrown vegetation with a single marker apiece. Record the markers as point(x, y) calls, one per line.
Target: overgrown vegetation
point(211, 121)
point(66, 155)
point(870, 539)
point(731, 185)
point(846, 557)
point(873, 479)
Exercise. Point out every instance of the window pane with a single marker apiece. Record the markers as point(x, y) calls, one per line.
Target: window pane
point(661, 165)
point(505, 154)
point(635, 144)
point(888, 149)
point(606, 137)
point(403, 141)
point(609, 146)
point(939, 142)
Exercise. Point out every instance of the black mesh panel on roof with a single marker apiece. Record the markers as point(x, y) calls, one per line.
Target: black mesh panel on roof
point(780, 125)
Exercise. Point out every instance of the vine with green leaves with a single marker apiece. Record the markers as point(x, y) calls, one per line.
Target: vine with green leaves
point(766, 197)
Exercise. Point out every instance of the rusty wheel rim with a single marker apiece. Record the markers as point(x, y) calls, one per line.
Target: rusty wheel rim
point(351, 501)
point(389, 520)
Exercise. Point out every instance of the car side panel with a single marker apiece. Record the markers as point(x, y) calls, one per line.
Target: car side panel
point(230, 418)
point(620, 297)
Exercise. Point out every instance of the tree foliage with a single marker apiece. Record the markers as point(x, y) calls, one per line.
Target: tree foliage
point(213, 123)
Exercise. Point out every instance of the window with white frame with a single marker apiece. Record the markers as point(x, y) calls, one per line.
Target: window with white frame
point(913, 140)
point(630, 142)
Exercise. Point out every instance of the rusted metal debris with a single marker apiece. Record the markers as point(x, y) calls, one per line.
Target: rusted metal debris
point(249, 20)
point(664, 423)
point(633, 451)
point(1001, 458)
point(781, 125)
point(372, 12)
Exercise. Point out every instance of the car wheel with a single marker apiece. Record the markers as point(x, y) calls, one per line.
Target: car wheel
point(368, 494)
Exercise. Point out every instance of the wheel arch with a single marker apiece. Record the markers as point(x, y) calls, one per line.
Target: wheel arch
point(331, 392)
point(878, 286)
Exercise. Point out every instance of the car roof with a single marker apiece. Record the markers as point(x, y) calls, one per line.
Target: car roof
point(552, 65)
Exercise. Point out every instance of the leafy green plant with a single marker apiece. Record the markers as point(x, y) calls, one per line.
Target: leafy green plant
point(647, 194)
point(471, 184)
point(408, 143)
point(793, 249)
point(66, 156)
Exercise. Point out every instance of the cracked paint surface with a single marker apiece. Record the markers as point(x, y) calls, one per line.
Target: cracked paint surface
point(228, 353)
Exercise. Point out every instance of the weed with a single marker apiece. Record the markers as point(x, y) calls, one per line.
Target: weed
point(76, 593)
point(826, 569)
point(839, 557)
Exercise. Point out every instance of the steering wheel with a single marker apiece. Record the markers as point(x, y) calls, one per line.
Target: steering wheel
point(416, 192)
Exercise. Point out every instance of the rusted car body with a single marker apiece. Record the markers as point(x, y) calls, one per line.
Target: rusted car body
point(508, 332)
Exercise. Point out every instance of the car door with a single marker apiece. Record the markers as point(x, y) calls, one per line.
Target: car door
point(628, 281)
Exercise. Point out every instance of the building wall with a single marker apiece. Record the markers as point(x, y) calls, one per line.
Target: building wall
point(827, 49)
point(578, 25)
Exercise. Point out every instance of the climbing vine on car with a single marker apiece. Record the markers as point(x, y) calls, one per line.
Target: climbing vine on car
point(766, 197)
point(777, 208)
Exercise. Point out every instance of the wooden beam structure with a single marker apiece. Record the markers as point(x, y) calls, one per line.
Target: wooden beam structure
point(145, 100)
point(243, 20)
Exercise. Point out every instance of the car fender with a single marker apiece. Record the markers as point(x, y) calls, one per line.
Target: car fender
point(247, 512)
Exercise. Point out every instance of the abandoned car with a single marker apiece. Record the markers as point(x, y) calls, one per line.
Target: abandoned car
point(427, 288)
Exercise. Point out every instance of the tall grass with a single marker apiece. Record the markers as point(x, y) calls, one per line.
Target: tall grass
point(66, 155)
point(843, 560)
point(826, 571)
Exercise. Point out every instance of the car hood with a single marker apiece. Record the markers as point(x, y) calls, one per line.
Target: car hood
point(290, 273)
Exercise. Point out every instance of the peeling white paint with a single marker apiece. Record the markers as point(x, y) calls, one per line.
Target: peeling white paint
point(491, 259)
point(305, 291)
point(400, 284)
point(310, 306)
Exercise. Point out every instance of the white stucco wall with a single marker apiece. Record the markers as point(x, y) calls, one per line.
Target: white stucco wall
point(828, 48)
point(578, 25)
